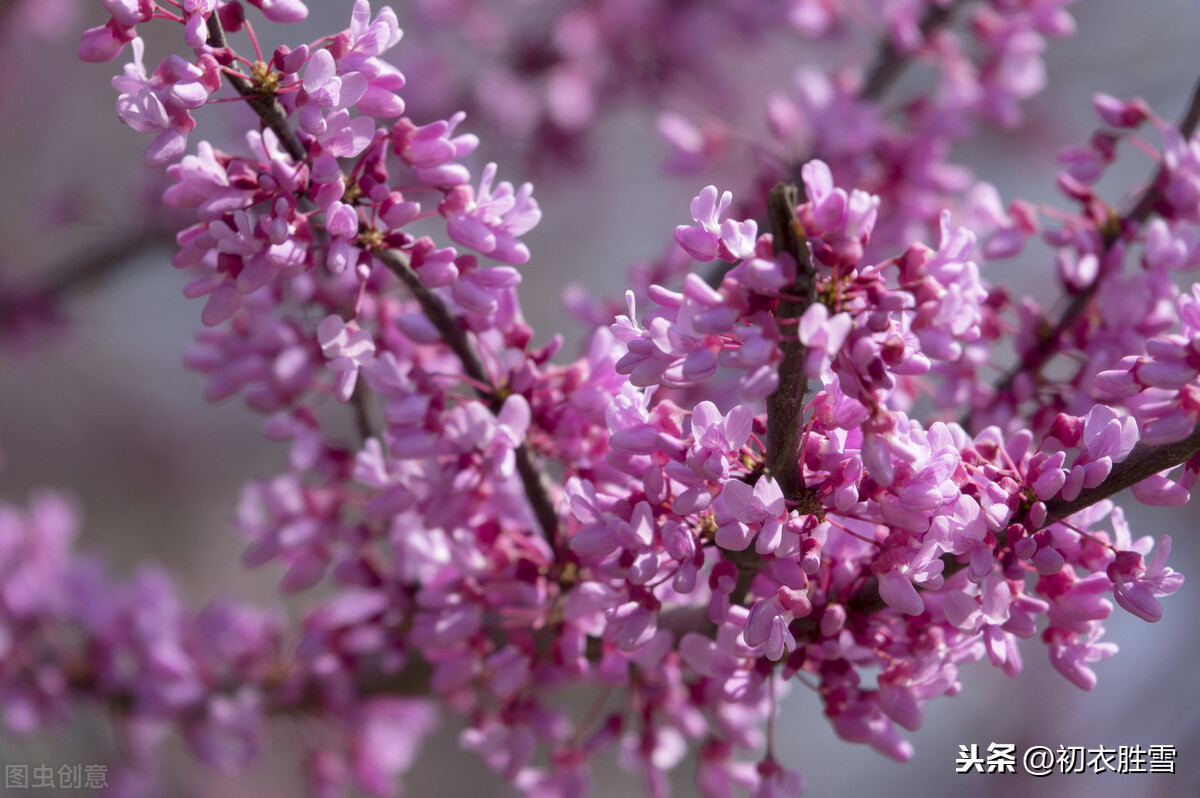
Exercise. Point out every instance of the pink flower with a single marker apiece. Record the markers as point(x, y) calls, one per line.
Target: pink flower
point(159, 104)
point(1136, 586)
point(767, 623)
point(760, 509)
point(433, 149)
point(727, 239)
point(325, 89)
point(348, 350)
point(778, 782)
point(899, 575)
point(388, 733)
point(824, 336)
point(230, 732)
point(282, 10)
point(491, 222)
point(841, 222)
point(1071, 654)
point(1118, 113)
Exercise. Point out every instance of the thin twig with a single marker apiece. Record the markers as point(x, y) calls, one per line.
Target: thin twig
point(1187, 127)
point(887, 67)
point(455, 335)
point(1142, 462)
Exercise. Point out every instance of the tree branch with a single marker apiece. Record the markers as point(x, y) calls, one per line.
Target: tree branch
point(1142, 462)
point(887, 67)
point(264, 103)
point(785, 405)
point(890, 63)
point(1187, 126)
point(1032, 362)
point(78, 272)
point(455, 335)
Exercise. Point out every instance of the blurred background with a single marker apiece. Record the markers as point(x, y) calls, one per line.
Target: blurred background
point(99, 405)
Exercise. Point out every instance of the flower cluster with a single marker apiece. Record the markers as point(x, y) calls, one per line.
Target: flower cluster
point(939, 541)
point(761, 479)
point(986, 59)
point(213, 674)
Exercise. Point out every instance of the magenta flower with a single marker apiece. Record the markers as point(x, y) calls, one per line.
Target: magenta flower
point(824, 336)
point(433, 149)
point(717, 439)
point(778, 782)
point(195, 19)
point(387, 739)
point(841, 222)
point(1072, 654)
point(860, 465)
point(767, 623)
point(325, 89)
point(900, 572)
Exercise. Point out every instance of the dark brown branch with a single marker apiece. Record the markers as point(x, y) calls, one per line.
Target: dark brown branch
point(361, 402)
point(537, 490)
point(785, 405)
point(455, 335)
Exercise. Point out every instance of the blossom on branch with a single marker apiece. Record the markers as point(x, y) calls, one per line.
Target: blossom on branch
point(844, 452)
